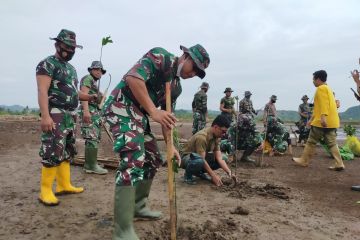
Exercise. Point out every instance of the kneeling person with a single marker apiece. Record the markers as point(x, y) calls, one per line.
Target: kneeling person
point(202, 153)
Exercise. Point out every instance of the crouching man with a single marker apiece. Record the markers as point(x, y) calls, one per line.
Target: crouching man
point(202, 153)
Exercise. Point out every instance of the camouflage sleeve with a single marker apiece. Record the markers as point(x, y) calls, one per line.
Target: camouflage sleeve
point(203, 100)
point(45, 68)
point(86, 81)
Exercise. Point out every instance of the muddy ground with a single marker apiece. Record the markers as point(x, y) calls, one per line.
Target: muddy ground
point(280, 201)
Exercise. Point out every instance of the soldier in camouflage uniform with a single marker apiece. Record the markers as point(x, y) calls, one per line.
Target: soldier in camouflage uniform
point(199, 106)
point(227, 104)
point(134, 99)
point(276, 133)
point(248, 138)
point(58, 99)
point(305, 114)
point(91, 118)
point(246, 105)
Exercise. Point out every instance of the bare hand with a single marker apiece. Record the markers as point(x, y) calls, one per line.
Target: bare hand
point(93, 97)
point(355, 75)
point(216, 180)
point(47, 124)
point(87, 117)
point(308, 125)
point(177, 156)
point(166, 119)
point(323, 121)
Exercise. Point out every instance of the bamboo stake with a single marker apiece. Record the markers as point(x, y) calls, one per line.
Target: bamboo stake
point(171, 179)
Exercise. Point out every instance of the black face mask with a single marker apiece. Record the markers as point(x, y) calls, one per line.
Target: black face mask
point(273, 101)
point(69, 54)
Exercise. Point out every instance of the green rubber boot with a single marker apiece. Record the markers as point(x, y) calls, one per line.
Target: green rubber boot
point(91, 165)
point(124, 207)
point(141, 196)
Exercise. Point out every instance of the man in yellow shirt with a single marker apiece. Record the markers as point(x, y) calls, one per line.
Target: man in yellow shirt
point(324, 122)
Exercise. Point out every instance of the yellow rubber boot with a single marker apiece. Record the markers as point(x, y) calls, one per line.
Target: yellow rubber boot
point(304, 160)
point(63, 180)
point(47, 196)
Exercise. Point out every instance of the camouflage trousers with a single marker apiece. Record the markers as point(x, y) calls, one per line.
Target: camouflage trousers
point(228, 115)
point(193, 163)
point(91, 132)
point(133, 141)
point(199, 122)
point(59, 144)
point(303, 131)
point(246, 141)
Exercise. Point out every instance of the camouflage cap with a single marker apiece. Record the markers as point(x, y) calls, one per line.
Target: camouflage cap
point(68, 37)
point(204, 85)
point(228, 90)
point(273, 97)
point(304, 97)
point(199, 56)
point(97, 65)
point(247, 93)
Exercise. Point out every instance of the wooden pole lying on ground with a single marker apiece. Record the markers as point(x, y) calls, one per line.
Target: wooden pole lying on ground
point(169, 156)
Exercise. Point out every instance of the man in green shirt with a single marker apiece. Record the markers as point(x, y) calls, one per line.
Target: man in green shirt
point(227, 104)
point(202, 154)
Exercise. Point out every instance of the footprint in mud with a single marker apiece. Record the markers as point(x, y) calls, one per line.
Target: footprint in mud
point(240, 210)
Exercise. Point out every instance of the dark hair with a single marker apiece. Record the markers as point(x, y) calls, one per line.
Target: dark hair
point(321, 74)
point(221, 121)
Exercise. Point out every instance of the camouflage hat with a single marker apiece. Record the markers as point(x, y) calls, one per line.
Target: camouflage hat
point(204, 85)
point(304, 97)
point(199, 56)
point(273, 97)
point(68, 37)
point(247, 93)
point(97, 65)
point(228, 90)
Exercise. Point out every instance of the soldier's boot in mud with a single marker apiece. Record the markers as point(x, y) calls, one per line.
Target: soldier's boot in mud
point(305, 158)
point(124, 208)
point(356, 188)
point(91, 165)
point(63, 180)
point(339, 164)
point(47, 196)
point(141, 197)
point(246, 156)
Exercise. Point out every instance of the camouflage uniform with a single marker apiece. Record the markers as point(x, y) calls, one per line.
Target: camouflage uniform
point(277, 135)
point(59, 145)
point(229, 103)
point(128, 121)
point(301, 124)
point(91, 132)
point(246, 106)
point(248, 138)
point(200, 110)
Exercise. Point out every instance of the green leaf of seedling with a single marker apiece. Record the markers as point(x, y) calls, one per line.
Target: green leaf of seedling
point(175, 165)
point(106, 40)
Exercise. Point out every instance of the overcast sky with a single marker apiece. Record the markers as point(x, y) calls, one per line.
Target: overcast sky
point(267, 47)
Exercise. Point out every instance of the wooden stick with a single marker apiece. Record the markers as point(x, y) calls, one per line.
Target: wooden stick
point(171, 179)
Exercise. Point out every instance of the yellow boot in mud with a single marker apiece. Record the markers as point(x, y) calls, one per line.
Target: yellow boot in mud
point(304, 160)
point(47, 196)
point(63, 180)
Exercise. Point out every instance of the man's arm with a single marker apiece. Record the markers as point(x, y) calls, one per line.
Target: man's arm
point(221, 162)
point(224, 109)
point(85, 106)
point(138, 89)
point(214, 177)
point(356, 77)
point(175, 151)
point(43, 85)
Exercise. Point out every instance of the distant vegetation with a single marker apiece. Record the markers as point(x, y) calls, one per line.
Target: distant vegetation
point(352, 114)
